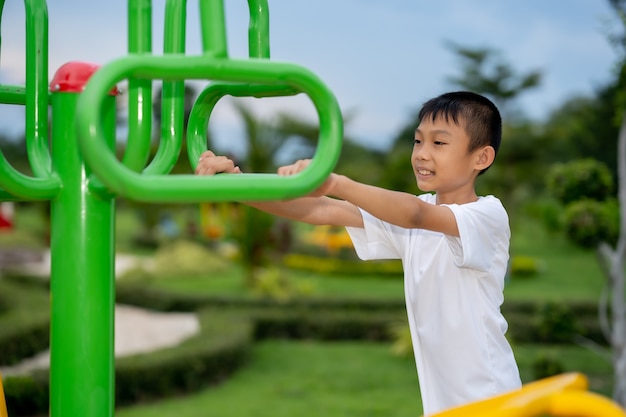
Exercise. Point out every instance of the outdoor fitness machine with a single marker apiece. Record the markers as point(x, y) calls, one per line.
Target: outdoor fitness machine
point(74, 166)
point(78, 172)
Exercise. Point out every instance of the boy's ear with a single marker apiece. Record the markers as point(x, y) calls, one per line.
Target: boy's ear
point(485, 157)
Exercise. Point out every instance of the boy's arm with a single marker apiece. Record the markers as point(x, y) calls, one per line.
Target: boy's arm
point(320, 210)
point(313, 210)
point(398, 208)
point(395, 207)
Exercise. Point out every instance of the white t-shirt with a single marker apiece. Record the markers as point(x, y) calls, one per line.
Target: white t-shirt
point(453, 289)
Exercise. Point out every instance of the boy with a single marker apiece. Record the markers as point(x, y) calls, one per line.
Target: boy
point(453, 245)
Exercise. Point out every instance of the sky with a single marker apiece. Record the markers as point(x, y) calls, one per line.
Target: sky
point(381, 58)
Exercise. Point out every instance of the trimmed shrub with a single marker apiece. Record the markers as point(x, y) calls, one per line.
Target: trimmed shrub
point(206, 359)
point(25, 326)
point(333, 265)
point(589, 222)
point(525, 266)
point(580, 179)
point(27, 395)
point(556, 323)
point(546, 365)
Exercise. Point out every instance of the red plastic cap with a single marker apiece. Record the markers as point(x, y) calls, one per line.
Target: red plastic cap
point(72, 77)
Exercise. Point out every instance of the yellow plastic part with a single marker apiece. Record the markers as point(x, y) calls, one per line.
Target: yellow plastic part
point(562, 395)
point(3, 403)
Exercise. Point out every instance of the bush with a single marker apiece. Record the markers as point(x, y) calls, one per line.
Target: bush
point(208, 358)
point(25, 326)
point(402, 342)
point(548, 211)
point(583, 178)
point(556, 323)
point(333, 265)
point(525, 266)
point(306, 323)
point(187, 258)
point(27, 395)
point(589, 222)
point(531, 322)
point(274, 283)
point(546, 365)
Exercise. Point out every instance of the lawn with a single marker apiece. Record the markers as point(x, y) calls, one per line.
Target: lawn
point(567, 273)
point(292, 378)
point(303, 378)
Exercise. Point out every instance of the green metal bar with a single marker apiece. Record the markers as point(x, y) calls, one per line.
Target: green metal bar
point(190, 188)
point(1, 10)
point(45, 185)
point(13, 94)
point(259, 29)
point(213, 28)
point(24, 187)
point(139, 90)
point(37, 87)
point(82, 276)
point(206, 101)
point(172, 93)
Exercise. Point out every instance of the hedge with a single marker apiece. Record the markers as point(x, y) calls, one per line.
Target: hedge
point(25, 324)
point(229, 325)
point(221, 347)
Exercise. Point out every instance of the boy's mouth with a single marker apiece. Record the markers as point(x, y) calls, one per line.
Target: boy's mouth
point(424, 172)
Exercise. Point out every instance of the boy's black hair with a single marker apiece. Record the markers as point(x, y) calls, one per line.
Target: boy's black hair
point(481, 117)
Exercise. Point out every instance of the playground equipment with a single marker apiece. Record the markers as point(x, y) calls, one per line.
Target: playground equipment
point(78, 172)
point(3, 405)
point(563, 395)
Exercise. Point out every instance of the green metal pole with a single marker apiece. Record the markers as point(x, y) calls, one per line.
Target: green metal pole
point(82, 269)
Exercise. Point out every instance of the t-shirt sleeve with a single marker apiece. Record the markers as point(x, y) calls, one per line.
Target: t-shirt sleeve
point(374, 240)
point(483, 229)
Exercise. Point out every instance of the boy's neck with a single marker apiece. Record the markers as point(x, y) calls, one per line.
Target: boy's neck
point(456, 199)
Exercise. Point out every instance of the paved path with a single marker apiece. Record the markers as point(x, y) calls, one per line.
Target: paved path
point(137, 330)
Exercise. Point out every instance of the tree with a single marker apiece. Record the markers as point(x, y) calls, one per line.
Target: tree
point(612, 260)
point(266, 140)
point(579, 129)
point(515, 173)
point(483, 70)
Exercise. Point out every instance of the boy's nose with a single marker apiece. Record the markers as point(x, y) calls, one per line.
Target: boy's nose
point(422, 153)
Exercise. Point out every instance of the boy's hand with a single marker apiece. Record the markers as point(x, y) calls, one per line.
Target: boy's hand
point(299, 166)
point(211, 164)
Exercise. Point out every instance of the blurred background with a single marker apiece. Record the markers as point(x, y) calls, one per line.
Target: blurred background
point(287, 317)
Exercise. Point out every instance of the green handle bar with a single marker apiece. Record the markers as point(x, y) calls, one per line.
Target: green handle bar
point(45, 184)
point(206, 101)
point(189, 188)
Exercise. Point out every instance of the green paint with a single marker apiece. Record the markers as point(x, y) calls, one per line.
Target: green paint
point(78, 171)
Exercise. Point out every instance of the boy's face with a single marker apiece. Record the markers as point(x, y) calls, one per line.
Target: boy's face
point(441, 161)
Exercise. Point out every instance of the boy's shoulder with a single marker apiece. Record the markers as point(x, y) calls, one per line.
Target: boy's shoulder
point(485, 200)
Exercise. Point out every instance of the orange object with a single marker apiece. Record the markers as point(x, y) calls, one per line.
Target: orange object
point(562, 395)
point(3, 403)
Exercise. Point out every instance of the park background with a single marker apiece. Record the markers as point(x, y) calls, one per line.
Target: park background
point(309, 329)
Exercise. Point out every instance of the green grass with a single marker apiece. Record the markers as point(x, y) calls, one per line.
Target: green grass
point(231, 282)
point(344, 379)
point(305, 379)
point(296, 378)
point(569, 273)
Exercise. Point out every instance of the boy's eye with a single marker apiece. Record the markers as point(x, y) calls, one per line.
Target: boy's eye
point(439, 143)
point(417, 141)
